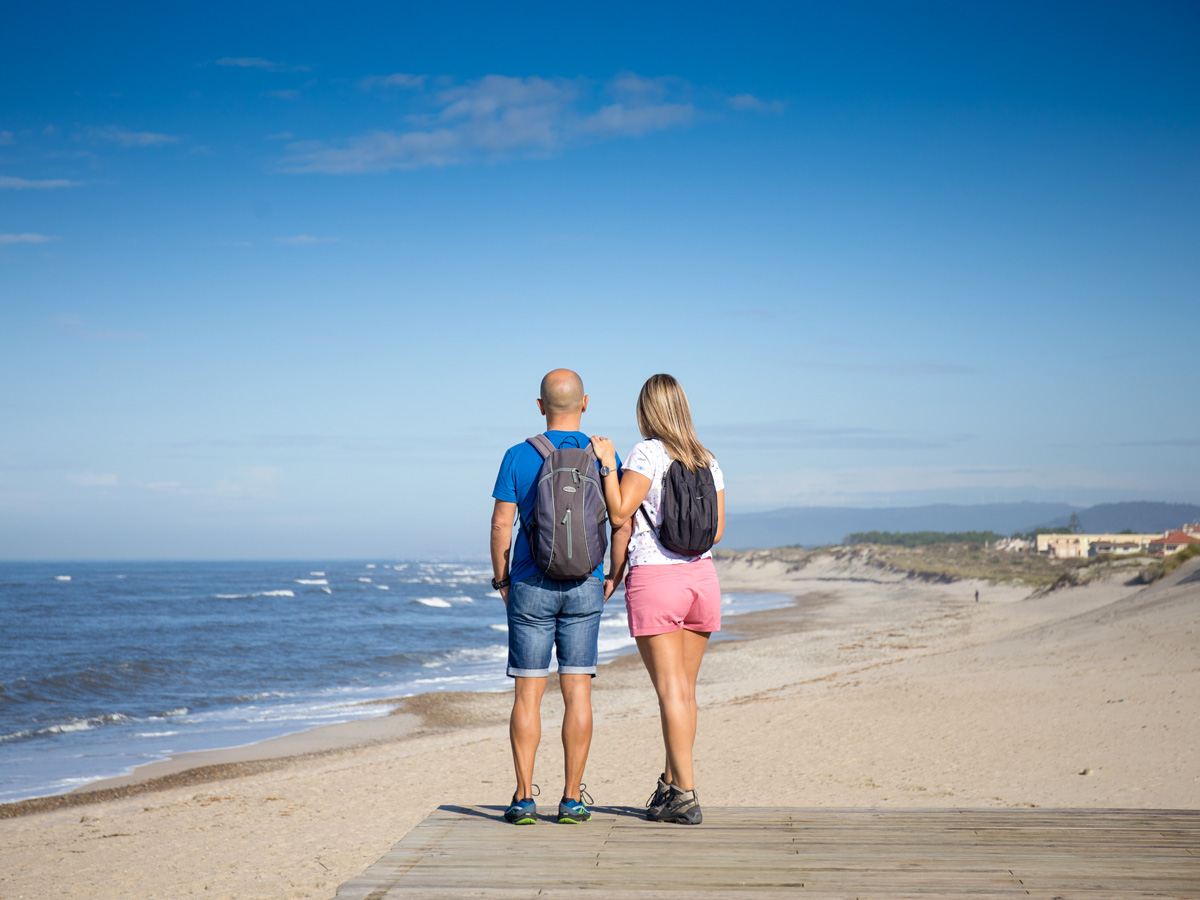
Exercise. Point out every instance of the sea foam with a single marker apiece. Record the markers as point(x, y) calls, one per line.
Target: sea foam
point(438, 602)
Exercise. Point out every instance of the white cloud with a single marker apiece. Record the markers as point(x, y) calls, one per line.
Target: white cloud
point(6, 137)
point(795, 435)
point(125, 138)
point(30, 184)
point(901, 367)
point(247, 482)
point(876, 484)
point(300, 240)
point(26, 238)
point(89, 479)
point(283, 95)
point(257, 62)
point(619, 120)
point(79, 327)
point(398, 80)
point(376, 152)
point(750, 102)
point(629, 85)
point(497, 117)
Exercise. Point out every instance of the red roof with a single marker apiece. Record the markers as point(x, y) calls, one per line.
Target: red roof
point(1177, 537)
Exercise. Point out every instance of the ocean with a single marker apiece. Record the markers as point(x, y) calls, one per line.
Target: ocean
point(108, 666)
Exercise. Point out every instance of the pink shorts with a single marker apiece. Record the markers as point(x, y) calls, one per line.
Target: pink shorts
point(665, 598)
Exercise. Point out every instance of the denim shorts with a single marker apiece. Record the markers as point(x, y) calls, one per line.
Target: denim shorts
point(544, 614)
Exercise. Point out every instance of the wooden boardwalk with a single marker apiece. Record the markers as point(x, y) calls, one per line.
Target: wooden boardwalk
point(469, 852)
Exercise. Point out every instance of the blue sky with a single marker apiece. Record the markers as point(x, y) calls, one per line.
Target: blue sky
point(280, 280)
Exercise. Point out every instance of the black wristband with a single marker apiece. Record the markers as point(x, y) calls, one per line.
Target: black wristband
point(496, 585)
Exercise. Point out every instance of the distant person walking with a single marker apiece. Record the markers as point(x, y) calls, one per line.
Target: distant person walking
point(552, 587)
point(673, 489)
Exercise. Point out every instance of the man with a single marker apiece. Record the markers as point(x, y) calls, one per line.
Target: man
point(543, 612)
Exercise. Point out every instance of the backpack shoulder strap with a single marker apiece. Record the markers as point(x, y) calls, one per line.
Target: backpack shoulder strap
point(645, 515)
point(542, 444)
point(662, 485)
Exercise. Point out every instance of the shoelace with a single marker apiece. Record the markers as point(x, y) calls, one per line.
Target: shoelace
point(650, 800)
point(585, 799)
point(537, 792)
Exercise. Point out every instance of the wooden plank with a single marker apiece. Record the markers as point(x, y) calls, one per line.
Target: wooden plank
point(773, 853)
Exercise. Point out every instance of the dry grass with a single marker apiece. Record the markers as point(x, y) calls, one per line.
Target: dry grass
point(1171, 563)
point(955, 562)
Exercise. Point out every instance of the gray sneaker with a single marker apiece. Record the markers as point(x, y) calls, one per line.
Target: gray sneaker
point(661, 793)
point(682, 808)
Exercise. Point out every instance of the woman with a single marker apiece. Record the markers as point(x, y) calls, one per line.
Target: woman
point(673, 600)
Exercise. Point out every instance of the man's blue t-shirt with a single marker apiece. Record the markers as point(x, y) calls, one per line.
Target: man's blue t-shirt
point(517, 483)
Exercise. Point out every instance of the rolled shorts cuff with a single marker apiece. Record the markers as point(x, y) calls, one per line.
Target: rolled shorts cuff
point(577, 670)
point(527, 673)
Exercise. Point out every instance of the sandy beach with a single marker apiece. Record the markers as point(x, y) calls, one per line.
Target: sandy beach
point(875, 689)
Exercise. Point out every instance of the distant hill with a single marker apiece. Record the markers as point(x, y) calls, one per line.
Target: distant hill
point(814, 526)
point(1144, 518)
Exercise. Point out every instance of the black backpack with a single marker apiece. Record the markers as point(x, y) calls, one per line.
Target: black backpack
point(566, 532)
point(689, 510)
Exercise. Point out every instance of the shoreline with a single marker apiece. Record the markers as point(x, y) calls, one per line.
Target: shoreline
point(412, 716)
point(876, 690)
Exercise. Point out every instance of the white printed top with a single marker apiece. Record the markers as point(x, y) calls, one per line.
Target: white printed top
point(650, 458)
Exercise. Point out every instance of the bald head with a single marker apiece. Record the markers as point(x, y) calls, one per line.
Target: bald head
point(562, 393)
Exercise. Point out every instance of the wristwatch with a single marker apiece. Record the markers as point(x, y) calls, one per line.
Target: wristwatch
point(496, 585)
point(605, 470)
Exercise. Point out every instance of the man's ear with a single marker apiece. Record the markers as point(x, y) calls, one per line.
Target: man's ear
point(583, 409)
point(541, 408)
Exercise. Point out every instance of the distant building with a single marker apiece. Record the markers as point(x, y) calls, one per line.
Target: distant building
point(1077, 546)
point(1013, 545)
point(1172, 543)
point(1118, 547)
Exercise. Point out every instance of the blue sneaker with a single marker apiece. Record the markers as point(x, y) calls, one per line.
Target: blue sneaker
point(572, 812)
point(521, 812)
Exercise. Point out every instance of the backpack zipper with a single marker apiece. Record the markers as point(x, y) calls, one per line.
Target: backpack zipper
point(567, 521)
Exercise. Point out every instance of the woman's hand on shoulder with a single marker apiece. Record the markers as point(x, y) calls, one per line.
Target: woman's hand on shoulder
point(605, 451)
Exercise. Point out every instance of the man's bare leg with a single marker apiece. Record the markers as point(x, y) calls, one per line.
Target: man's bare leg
point(576, 729)
point(525, 730)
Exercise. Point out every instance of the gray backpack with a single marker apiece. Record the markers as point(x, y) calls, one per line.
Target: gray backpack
point(567, 531)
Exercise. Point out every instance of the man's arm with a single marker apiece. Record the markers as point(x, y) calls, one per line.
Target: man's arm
point(503, 514)
point(619, 556)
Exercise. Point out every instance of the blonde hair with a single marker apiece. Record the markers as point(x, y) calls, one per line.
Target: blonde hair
point(663, 413)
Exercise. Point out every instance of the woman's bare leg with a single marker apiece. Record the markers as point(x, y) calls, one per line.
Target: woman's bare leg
point(676, 701)
point(694, 645)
